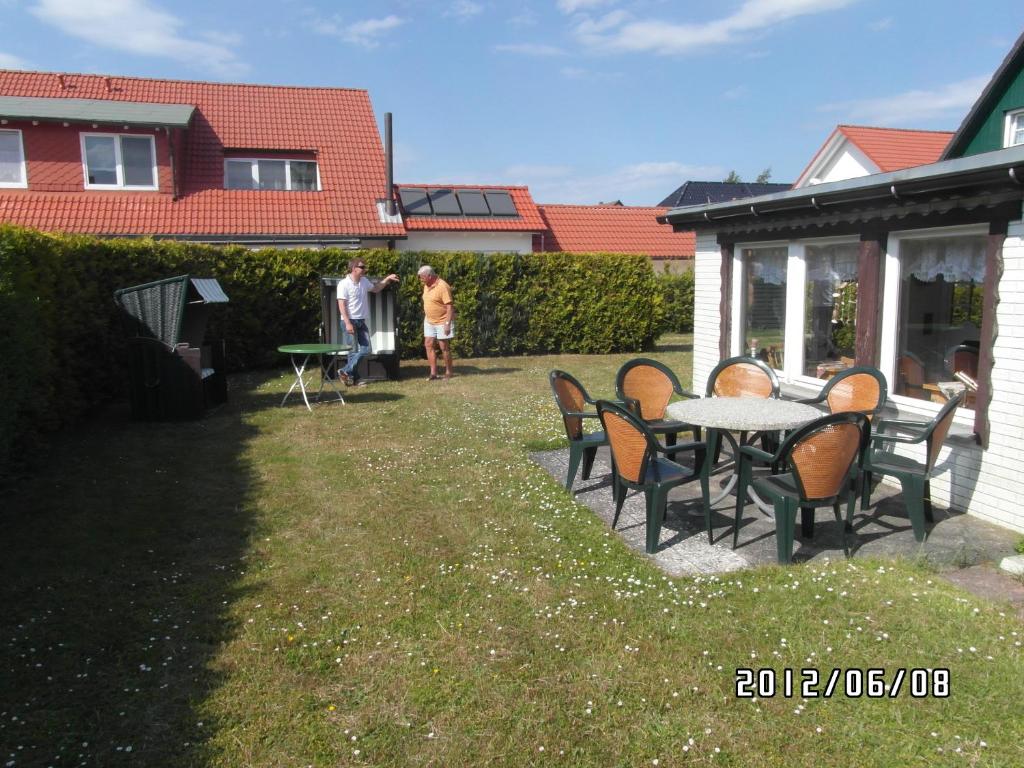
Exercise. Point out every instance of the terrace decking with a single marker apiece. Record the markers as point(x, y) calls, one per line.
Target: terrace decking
point(883, 530)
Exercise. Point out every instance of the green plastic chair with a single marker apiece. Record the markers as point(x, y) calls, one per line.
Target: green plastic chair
point(742, 377)
point(914, 476)
point(819, 461)
point(572, 399)
point(861, 389)
point(640, 462)
point(646, 386)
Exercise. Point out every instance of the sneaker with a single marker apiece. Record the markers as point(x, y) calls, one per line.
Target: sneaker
point(345, 378)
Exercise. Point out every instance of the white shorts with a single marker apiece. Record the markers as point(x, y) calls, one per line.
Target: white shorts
point(431, 331)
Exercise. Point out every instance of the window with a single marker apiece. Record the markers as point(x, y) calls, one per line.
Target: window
point(1014, 129)
point(764, 303)
point(938, 315)
point(119, 161)
point(294, 175)
point(12, 160)
point(830, 308)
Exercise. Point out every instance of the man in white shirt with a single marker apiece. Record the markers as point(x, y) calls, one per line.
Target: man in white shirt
point(352, 305)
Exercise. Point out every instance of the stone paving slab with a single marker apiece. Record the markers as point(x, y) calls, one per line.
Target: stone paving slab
point(955, 540)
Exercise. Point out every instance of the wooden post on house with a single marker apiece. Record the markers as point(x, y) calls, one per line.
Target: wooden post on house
point(869, 288)
point(989, 328)
point(725, 304)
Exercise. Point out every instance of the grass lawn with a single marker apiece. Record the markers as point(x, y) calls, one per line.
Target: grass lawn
point(394, 583)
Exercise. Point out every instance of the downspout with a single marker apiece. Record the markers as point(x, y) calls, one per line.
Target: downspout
point(389, 167)
point(175, 191)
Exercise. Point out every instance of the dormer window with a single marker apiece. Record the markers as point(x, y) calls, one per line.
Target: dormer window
point(12, 160)
point(271, 174)
point(119, 161)
point(1014, 129)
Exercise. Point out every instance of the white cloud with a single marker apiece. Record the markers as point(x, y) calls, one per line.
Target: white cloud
point(464, 9)
point(366, 33)
point(881, 25)
point(572, 6)
point(530, 49)
point(10, 61)
point(579, 73)
point(912, 107)
point(138, 27)
point(732, 94)
point(657, 36)
point(525, 18)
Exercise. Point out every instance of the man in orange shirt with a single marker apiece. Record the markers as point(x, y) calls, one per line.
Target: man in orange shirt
point(438, 319)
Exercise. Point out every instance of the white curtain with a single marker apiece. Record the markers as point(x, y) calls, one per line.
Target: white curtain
point(956, 259)
point(832, 263)
point(767, 264)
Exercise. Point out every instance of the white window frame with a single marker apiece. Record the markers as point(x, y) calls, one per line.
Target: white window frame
point(1012, 118)
point(118, 162)
point(891, 302)
point(24, 168)
point(796, 277)
point(255, 171)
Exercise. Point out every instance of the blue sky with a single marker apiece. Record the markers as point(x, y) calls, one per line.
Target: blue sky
point(582, 100)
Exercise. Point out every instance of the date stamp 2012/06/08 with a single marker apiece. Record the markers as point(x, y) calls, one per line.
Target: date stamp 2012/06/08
point(853, 683)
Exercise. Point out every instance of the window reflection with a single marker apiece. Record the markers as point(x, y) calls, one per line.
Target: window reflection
point(764, 317)
point(940, 314)
point(830, 314)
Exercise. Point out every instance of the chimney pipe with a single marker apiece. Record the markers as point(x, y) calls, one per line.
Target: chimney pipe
point(389, 162)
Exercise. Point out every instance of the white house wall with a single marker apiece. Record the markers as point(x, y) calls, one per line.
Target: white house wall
point(841, 161)
point(707, 295)
point(849, 163)
point(487, 242)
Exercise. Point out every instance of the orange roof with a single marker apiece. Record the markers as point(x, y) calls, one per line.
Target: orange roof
point(892, 149)
point(613, 229)
point(528, 220)
point(338, 124)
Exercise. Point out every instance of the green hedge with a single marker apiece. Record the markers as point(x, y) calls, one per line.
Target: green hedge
point(63, 349)
point(677, 295)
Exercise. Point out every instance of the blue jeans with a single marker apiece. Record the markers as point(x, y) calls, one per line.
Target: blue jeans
point(360, 347)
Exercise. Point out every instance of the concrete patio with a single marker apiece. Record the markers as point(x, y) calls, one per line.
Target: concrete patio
point(955, 540)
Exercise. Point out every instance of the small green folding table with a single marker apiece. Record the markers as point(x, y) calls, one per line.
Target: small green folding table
point(303, 352)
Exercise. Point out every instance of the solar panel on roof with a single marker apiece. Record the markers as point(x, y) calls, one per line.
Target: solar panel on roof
point(444, 202)
point(501, 204)
point(473, 203)
point(415, 201)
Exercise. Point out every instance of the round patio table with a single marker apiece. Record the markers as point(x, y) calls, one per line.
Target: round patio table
point(303, 352)
point(723, 415)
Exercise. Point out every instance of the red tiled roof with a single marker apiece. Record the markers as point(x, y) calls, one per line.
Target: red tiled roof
point(893, 149)
point(529, 219)
point(613, 229)
point(337, 123)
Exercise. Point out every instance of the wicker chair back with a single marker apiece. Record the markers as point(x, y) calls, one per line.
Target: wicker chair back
point(629, 446)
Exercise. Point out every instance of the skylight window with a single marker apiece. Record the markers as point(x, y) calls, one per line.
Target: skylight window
point(271, 174)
